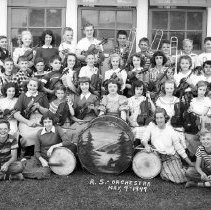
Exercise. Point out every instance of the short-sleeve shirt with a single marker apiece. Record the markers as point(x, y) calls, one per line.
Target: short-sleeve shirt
point(6, 147)
point(206, 158)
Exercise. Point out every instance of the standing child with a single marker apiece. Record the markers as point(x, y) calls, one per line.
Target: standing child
point(26, 38)
point(187, 45)
point(8, 150)
point(4, 53)
point(200, 175)
point(115, 72)
point(206, 55)
point(145, 52)
point(67, 45)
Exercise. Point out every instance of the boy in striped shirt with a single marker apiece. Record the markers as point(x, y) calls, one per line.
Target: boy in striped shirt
point(10, 168)
point(201, 174)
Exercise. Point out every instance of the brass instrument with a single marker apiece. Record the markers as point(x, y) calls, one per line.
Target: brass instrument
point(131, 41)
point(174, 50)
point(155, 45)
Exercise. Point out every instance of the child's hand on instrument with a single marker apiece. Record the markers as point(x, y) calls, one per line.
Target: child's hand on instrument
point(50, 150)
point(44, 163)
point(148, 148)
point(91, 106)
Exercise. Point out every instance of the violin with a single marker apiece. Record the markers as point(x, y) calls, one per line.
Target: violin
point(146, 115)
point(29, 53)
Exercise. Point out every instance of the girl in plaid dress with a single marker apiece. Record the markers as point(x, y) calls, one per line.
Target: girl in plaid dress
point(166, 143)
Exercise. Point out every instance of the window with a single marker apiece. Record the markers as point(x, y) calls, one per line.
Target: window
point(180, 23)
point(36, 20)
point(107, 21)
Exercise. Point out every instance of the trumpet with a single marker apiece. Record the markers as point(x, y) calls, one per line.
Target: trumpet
point(174, 50)
point(155, 45)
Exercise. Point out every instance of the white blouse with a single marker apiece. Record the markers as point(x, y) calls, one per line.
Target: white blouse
point(167, 105)
point(164, 140)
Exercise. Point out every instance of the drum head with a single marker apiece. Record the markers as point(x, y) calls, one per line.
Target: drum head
point(146, 165)
point(106, 146)
point(66, 158)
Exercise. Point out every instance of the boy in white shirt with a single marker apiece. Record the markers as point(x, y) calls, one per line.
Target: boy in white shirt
point(207, 54)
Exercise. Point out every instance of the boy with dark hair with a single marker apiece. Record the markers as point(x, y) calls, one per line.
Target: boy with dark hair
point(4, 53)
point(10, 167)
point(145, 52)
point(206, 55)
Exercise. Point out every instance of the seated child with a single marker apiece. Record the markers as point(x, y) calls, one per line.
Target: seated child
point(200, 175)
point(37, 166)
point(10, 167)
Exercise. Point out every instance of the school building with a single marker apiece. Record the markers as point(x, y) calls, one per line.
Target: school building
point(181, 18)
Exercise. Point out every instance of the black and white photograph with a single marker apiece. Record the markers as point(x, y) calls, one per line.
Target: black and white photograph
point(105, 104)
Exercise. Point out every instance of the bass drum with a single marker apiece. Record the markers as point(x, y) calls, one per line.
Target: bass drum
point(62, 161)
point(106, 145)
point(146, 165)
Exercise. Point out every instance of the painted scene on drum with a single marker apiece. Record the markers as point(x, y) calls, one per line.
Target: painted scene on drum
point(105, 148)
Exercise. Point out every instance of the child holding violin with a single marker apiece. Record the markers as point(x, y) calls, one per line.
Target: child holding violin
point(167, 100)
point(26, 39)
point(91, 72)
point(137, 107)
point(84, 44)
point(115, 72)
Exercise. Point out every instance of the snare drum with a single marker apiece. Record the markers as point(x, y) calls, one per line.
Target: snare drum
point(62, 161)
point(106, 145)
point(146, 165)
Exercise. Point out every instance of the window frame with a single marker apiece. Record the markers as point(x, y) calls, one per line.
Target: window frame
point(186, 10)
point(28, 8)
point(80, 34)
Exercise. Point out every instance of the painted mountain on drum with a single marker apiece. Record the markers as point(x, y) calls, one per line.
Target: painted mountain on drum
point(105, 148)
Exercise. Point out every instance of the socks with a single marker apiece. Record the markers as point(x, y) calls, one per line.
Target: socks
point(197, 184)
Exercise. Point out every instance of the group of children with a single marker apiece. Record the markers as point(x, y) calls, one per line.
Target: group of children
point(49, 95)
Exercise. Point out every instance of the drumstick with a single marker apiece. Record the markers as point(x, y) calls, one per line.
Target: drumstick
point(55, 164)
point(142, 148)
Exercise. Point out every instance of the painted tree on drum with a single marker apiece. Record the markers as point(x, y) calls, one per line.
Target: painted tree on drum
point(123, 150)
point(88, 151)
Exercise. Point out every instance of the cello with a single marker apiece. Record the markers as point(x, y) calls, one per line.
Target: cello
point(146, 115)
